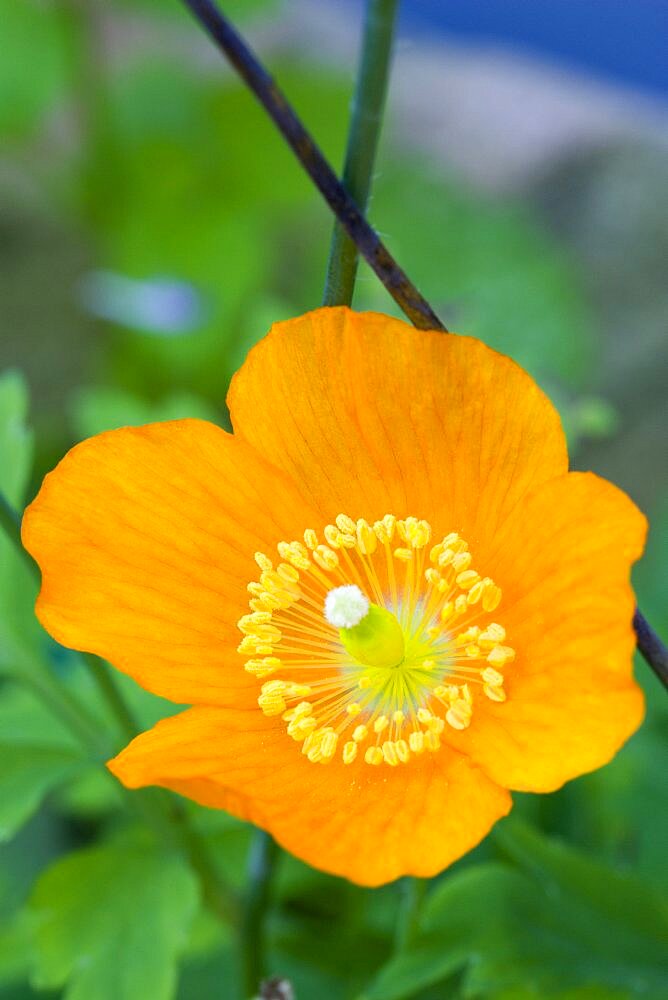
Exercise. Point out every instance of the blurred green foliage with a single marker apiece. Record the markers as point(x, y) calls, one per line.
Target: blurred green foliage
point(135, 160)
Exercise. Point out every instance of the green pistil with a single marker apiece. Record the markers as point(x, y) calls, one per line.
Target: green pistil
point(377, 641)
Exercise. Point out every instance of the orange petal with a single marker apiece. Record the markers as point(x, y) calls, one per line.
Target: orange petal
point(370, 417)
point(350, 821)
point(563, 561)
point(145, 538)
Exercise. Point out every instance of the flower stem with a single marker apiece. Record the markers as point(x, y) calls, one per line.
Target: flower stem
point(44, 681)
point(365, 126)
point(108, 688)
point(408, 922)
point(165, 816)
point(10, 521)
point(38, 678)
point(653, 650)
point(367, 240)
point(216, 894)
point(261, 863)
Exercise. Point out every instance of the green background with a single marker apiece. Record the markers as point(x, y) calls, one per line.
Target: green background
point(154, 167)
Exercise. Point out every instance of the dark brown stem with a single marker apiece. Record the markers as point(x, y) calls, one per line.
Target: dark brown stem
point(362, 234)
point(366, 239)
point(653, 650)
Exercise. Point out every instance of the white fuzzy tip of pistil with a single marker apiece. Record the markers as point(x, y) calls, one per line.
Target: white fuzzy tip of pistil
point(346, 606)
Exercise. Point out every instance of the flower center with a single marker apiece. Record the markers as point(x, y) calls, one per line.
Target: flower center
point(380, 641)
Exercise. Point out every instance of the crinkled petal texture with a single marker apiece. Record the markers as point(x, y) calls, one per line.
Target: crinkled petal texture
point(562, 560)
point(146, 537)
point(366, 826)
point(370, 416)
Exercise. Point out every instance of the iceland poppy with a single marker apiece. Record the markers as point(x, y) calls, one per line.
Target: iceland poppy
point(386, 599)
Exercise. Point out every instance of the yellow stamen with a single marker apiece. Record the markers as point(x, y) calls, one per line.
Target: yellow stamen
point(392, 649)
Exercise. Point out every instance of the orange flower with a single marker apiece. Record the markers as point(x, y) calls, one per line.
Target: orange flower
point(387, 569)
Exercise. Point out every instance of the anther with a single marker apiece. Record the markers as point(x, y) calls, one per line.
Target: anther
point(491, 596)
point(310, 539)
point(500, 655)
point(432, 741)
point(494, 693)
point(416, 741)
point(325, 558)
point(332, 535)
point(290, 574)
point(345, 524)
point(491, 676)
point(263, 667)
point(461, 561)
point(388, 666)
point(459, 716)
point(366, 539)
point(380, 532)
point(467, 579)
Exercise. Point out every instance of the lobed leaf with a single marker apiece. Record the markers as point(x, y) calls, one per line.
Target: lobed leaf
point(111, 922)
point(557, 924)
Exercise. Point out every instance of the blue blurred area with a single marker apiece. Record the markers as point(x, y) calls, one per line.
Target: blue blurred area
point(624, 40)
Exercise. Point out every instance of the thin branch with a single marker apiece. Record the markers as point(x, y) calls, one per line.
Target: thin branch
point(653, 650)
point(413, 892)
point(363, 235)
point(369, 244)
point(365, 125)
point(262, 858)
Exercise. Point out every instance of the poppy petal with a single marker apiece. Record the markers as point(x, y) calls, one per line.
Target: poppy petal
point(563, 561)
point(350, 822)
point(371, 417)
point(145, 538)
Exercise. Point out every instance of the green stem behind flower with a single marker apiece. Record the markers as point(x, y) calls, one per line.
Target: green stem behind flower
point(408, 921)
point(163, 815)
point(367, 240)
point(365, 126)
point(262, 859)
point(111, 695)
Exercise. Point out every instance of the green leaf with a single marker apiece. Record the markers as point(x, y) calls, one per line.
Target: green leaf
point(110, 923)
point(620, 812)
point(27, 773)
point(19, 632)
point(563, 924)
point(451, 921)
point(37, 755)
point(14, 948)
point(591, 890)
point(583, 925)
point(16, 439)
